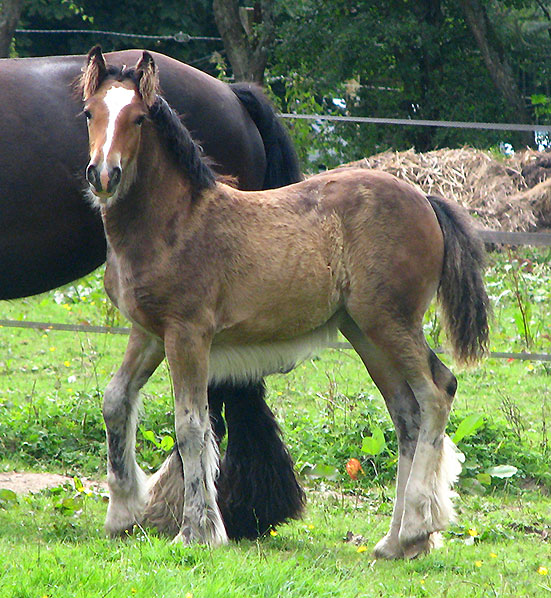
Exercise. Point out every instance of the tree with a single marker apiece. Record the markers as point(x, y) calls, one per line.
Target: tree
point(10, 11)
point(248, 34)
point(495, 58)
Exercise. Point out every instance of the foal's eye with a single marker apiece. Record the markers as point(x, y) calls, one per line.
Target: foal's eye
point(87, 114)
point(140, 119)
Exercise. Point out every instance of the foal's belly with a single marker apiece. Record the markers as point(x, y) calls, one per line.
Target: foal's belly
point(243, 362)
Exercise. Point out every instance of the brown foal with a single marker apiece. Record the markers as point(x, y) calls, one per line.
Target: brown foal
point(234, 285)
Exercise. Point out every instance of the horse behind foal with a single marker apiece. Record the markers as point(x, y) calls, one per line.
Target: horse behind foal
point(235, 285)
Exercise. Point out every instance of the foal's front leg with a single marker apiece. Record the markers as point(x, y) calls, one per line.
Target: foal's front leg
point(127, 490)
point(187, 352)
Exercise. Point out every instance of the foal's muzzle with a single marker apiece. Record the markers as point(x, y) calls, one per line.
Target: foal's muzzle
point(106, 182)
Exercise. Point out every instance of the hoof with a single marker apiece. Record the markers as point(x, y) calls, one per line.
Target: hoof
point(191, 536)
point(388, 548)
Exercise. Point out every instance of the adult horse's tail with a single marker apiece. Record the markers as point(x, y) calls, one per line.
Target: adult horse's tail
point(282, 167)
point(462, 295)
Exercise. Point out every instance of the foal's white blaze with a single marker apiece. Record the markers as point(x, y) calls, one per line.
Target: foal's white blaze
point(115, 99)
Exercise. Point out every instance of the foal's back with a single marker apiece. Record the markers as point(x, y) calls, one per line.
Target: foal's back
point(295, 256)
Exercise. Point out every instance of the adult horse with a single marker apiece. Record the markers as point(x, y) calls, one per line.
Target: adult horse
point(50, 236)
point(235, 284)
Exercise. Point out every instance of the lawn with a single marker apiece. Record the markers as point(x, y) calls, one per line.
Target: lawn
point(52, 543)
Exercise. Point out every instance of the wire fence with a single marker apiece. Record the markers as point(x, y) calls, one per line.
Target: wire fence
point(180, 36)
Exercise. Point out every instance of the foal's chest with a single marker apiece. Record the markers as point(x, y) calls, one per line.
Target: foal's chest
point(132, 295)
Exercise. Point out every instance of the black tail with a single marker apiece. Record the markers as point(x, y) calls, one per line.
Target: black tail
point(257, 487)
point(462, 294)
point(282, 167)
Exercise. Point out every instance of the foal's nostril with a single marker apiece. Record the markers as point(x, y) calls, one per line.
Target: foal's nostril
point(114, 178)
point(92, 176)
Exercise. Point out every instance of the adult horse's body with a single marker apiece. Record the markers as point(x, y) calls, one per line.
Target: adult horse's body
point(49, 235)
point(235, 285)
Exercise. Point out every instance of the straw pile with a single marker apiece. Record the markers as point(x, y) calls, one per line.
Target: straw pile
point(512, 194)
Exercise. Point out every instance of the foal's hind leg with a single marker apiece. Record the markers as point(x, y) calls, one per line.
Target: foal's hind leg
point(405, 414)
point(127, 482)
point(427, 506)
point(436, 466)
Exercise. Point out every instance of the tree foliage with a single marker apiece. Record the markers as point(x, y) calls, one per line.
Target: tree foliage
point(472, 60)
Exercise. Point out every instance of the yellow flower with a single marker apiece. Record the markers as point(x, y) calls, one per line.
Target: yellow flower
point(273, 532)
point(67, 364)
point(493, 555)
point(472, 532)
point(542, 570)
point(362, 549)
point(422, 582)
point(478, 563)
point(311, 526)
point(52, 349)
point(189, 595)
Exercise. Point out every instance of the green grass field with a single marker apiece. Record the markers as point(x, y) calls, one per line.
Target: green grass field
point(52, 544)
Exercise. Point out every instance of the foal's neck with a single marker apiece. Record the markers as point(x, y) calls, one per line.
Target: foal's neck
point(157, 191)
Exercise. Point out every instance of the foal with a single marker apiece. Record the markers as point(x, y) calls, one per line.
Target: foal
point(235, 285)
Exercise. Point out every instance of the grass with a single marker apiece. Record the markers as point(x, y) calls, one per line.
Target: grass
point(52, 543)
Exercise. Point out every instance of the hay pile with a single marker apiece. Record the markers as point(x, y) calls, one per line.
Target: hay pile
point(501, 193)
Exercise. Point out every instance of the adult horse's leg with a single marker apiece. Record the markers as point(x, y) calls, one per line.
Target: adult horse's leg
point(419, 392)
point(257, 488)
point(127, 482)
point(187, 350)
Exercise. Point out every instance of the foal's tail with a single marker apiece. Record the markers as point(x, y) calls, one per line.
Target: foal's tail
point(462, 294)
point(282, 166)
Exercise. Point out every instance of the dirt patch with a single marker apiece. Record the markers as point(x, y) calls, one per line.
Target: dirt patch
point(30, 483)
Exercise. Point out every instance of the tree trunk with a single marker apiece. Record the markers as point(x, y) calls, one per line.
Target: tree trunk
point(495, 60)
point(248, 35)
point(10, 10)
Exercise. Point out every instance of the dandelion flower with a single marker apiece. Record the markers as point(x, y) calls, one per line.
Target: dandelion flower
point(273, 532)
point(361, 549)
point(472, 532)
point(542, 570)
point(493, 555)
point(478, 563)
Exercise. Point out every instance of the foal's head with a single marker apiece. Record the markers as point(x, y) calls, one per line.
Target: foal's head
point(117, 102)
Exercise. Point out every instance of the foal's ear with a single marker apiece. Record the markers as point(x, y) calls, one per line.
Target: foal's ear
point(93, 73)
point(146, 69)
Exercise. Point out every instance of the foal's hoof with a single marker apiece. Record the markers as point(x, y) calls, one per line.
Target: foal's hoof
point(420, 544)
point(388, 548)
point(189, 535)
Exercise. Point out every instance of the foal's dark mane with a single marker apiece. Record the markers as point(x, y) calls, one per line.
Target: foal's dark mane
point(188, 155)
